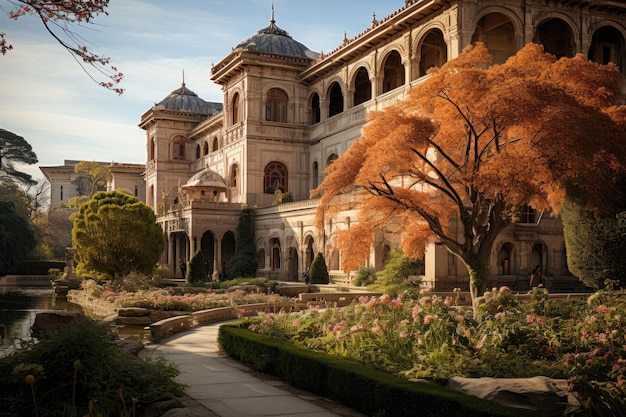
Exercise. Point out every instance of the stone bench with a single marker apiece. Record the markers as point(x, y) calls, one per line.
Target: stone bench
point(169, 326)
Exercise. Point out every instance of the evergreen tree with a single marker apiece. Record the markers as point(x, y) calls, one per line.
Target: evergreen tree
point(319, 271)
point(244, 262)
point(595, 243)
point(15, 150)
point(196, 271)
point(17, 238)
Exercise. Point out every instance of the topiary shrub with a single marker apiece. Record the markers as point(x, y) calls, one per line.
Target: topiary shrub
point(400, 275)
point(244, 262)
point(318, 273)
point(196, 271)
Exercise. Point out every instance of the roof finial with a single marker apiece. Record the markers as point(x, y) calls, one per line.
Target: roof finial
point(374, 21)
point(272, 21)
point(183, 77)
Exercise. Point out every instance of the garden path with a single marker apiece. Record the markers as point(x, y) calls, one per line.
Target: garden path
point(222, 387)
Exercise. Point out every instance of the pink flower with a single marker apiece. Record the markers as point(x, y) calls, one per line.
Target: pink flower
point(447, 301)
point(504, 289)
point(295, 323)
point(385, 299)
point(424, 300)
point(337, 328)
point(376, 330)
point(540, 320)
point(530, 319)
point(416, 311)
point(428, 319)
point(397, 303)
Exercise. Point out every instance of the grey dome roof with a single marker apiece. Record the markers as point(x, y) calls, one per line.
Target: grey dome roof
point(274, 40)
point(207, 178)
point(183, 99)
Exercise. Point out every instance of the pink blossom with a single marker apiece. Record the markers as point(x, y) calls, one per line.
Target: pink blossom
point(447, 301)
point(376, 330)
point(403, 335)
point(530, 318)
point(428, 319)
point(424, 291)
point(602, 309)
point(397, 303)
point(424, 300)
point(540, 320)
point(415, 312)
point(385, 299)
point(337, 328)
point(373, 302)
point(504, 289)
point(295, 323)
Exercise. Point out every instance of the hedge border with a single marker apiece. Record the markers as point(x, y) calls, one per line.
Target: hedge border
point(367, 390)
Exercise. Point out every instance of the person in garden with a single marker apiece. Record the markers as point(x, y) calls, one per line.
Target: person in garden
point(183, 267)
point(536, 279)
point(306, 275)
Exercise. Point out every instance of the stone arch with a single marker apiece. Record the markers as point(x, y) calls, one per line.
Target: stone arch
point(215, 145)
point(361, 85)
point(539, 257)
point(432, 51)
point(392, 70)
point(198, 151)
point(315, 109)
point(205, 148)
point(557, 37)
point(608, 45)
point(261, 249)
point(335, 99)
point(500, 30)
point(293, 260)
point(276, 177)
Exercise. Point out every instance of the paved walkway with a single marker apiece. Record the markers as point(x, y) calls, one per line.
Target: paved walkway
point(222, 387)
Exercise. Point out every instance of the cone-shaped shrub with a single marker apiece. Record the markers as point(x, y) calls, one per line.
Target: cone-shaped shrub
point(319, 271)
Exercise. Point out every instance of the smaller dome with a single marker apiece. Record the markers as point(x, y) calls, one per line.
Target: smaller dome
point(207, 179)
point(274, 40)
point(183, 99)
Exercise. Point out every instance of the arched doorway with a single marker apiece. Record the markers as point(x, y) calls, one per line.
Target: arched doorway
point(607, 45)
point(362, 87)
point(335, 100)
point(228, 251)
point(292, 267)
point(275, 254)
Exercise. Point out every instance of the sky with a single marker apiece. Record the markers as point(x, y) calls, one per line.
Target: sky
point(47, 98)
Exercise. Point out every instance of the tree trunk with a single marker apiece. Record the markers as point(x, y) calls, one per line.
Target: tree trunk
point(478, 272)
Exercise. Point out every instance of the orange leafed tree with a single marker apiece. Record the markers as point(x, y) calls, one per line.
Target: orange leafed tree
point(473, 144)
point(59, 17)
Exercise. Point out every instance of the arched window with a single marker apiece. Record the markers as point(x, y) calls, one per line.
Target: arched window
point(216, 144)
point(335, 105)
point(151, 149)
point(316, 114)
point(198, 155)
point(362, 87)
point(607, 45)
point(556, 37)
point(236, 108)
point(332, 158)
point(276, 106)
point(234, 176)
point(205, 148)
point(275, 178)
point(178, 147)
point(315, 174)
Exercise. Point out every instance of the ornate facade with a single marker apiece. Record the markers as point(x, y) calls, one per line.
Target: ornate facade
point(289, 112)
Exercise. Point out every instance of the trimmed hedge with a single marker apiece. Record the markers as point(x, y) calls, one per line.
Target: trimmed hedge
point(370, 391)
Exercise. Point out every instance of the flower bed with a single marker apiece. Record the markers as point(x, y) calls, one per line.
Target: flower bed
point(432, 338)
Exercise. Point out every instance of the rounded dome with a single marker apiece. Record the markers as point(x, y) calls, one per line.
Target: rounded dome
point(183, 99)
point(274, 40)
point(207, 178)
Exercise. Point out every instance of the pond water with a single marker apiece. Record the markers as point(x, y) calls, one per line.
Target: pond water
point(18, 308)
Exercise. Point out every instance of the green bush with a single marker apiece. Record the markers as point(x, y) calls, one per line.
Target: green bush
point(400, 275)
point(196, 271)
point(318, 274)
point(364, 277)
point(77, 365)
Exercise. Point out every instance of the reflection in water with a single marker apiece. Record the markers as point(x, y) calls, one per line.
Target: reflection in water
point(18, 307)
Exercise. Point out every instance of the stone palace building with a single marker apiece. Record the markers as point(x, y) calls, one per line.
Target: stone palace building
point(288, 112)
